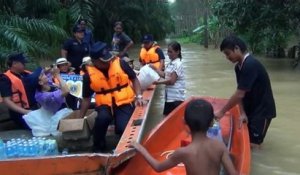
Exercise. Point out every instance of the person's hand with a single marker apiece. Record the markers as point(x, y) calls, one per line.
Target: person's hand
point(136, 145)
point(155, 82)
point(139, 100)
point(219, 115)
point(152, 67)
point(120, 54)
point(27, 111)
point(55, 71)
point(243, 119)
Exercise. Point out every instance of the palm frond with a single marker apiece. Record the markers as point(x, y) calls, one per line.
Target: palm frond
point(82, 9)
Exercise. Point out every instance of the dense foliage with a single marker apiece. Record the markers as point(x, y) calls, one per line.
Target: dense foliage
point(264, 24)
point(38, 27)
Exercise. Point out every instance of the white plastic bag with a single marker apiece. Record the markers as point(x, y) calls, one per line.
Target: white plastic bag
point(54, 120)
point(43, 122)
point(147, 76)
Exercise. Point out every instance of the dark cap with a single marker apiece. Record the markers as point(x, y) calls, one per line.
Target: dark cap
point(77, 28)
point(100, 50)
point(147, 38)
point(18, 57)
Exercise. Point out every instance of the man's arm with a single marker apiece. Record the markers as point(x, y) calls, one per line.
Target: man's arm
point(14, 107)
point(86, 95)
point(235, 99)
point(161, 58)
point(64, 53)
point(84, 106)
point(64, 49)
point(126, 48)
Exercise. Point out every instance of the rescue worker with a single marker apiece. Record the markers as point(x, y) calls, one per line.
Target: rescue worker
point(151, 53)
point(109, 79)
point(17, 88)
point(74, 49)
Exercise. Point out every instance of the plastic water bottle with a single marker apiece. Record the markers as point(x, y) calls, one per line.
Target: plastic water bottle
point(65, 151)
point(214, 132)
point(2, 150)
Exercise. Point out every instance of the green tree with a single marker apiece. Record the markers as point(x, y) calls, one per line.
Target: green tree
point(264, 24)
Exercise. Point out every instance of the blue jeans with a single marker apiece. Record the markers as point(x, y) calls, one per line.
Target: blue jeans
point(121, 115)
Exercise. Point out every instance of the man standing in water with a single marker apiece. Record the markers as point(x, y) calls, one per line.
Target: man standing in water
point(120, 41)
point(253, 93)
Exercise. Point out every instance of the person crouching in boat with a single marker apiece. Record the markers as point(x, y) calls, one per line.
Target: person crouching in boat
point(110, 79)
point(51, 98)
point(173, 78)
point(203, 155)
point(151, 53)
point(17, 88)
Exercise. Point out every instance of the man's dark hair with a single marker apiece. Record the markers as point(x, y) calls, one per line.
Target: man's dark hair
point(118, 23)
point(13, 58)
point(82, 19)
point(230, 42)
point(198, 115)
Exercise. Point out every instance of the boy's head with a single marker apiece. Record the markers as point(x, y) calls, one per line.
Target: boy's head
point(234, 48)
point(199, 115)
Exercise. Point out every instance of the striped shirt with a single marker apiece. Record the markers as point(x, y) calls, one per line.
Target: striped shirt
point(175, 92)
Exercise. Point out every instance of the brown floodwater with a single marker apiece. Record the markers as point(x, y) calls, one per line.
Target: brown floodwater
point(209, 73)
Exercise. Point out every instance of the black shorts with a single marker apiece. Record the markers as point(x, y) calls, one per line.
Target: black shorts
point(170, 106)
point(258, 128)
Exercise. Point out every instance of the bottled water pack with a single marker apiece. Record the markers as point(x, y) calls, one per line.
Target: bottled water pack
point(34, 147)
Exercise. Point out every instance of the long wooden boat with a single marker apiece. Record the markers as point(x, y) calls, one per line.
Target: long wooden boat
point(170, 134)
point(86, 163)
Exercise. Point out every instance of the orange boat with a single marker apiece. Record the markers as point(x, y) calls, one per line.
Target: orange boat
point(87, 163)
point(171, 134)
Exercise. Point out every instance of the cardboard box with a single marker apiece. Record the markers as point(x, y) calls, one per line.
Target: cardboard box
point(74, 128)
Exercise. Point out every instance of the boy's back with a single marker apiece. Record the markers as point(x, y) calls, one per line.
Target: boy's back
point(203, 156)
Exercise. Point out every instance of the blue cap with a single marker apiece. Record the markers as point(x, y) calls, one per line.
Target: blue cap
point(100, 50)
point(147, 38)
point(77, 28)
point(18, 57)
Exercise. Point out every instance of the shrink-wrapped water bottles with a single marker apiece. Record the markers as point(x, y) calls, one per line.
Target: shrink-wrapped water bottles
point(34, 147)
point(2, 150)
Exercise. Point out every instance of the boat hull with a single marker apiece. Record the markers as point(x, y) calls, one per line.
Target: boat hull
point(87, 163)
point(171, 134)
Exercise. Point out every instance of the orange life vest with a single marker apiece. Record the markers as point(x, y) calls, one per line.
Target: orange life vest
point(150, 56)
point(19, 95)
point(117, 85)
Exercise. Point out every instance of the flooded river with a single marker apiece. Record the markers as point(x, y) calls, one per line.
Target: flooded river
point(208, 73)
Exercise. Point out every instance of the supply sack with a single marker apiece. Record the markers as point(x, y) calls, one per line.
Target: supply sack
point(43, 122)
point(147, 76)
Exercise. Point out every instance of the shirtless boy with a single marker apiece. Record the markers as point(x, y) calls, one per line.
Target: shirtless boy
point(203, 155)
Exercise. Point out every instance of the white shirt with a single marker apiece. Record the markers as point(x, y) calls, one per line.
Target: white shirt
point(175, 92)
